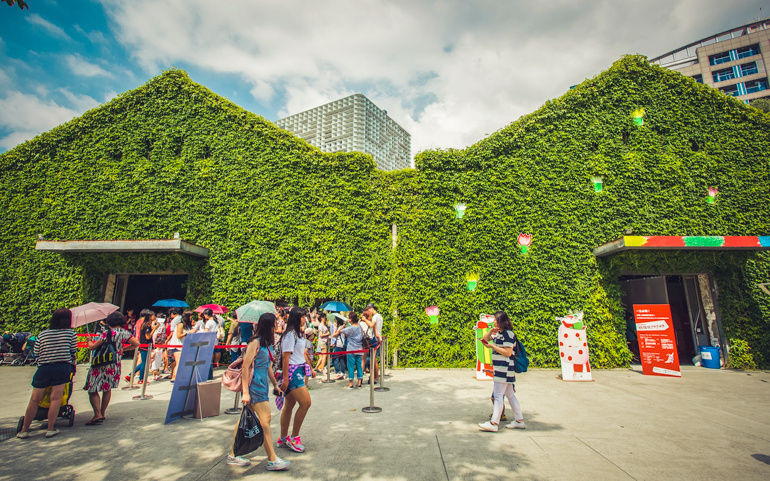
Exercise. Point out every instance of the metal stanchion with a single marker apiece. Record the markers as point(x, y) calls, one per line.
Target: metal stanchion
point(371, 408)
point(387, 350)
point(146, 378)
point(235, 409)
point(382, 388)
point(328, 369)
point(131, 377)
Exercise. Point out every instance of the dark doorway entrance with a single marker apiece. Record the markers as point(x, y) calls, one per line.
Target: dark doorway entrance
point(144, 290)
point(681, 294)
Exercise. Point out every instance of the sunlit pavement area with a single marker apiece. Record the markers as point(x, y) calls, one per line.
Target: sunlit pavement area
point(710, 424)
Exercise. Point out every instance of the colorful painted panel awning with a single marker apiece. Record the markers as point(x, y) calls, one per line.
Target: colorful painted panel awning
point(709, 242)
point(135, 246)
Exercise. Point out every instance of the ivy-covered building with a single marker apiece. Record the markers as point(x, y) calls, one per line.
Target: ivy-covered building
point(611, 180)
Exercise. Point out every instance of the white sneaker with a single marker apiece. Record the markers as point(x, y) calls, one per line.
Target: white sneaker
point(22, 435)
point(488, 426)
point(278, 465)
point(237, 461)
point(516, 425)
point(50, 434)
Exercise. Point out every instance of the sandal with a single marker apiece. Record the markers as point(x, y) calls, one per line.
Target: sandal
point(94, 423)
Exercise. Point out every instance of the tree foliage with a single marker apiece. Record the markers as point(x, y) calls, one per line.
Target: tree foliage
point(284, 220)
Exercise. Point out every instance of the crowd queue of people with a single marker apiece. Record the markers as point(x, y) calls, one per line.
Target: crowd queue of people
point(279, 352)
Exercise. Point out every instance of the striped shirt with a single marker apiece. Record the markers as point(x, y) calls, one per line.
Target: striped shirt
point(503, 366)
point(55, 345)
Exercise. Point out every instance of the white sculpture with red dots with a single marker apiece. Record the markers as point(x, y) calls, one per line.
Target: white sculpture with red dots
point(573, 348)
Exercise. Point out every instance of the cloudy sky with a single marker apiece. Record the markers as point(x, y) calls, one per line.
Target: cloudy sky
point(448, 71)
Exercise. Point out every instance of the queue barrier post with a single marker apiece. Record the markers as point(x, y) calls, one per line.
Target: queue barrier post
point(328, 368)
point(235, 409)
point(143, 397)
point(381, 388)
point(387, 350)
point(371, 408)
point(131, 377)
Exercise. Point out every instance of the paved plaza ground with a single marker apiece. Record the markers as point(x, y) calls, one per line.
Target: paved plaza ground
point(707, 425)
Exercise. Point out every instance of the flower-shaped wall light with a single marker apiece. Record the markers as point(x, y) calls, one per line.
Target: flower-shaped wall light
point(472, 278)
point(524, 241)
point(712, 198)
point(432, 312)
point(598, 183)
point(460, 210)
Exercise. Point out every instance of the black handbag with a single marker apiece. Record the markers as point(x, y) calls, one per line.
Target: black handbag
point(366, 339)
point(106, 354)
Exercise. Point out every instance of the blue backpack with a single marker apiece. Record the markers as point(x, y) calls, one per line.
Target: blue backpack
point(521, 363)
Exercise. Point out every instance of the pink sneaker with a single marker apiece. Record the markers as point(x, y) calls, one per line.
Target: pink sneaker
point(295, 444)
point(282, 442)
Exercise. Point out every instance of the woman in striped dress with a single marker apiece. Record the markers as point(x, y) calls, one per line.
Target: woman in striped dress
point(55, 348)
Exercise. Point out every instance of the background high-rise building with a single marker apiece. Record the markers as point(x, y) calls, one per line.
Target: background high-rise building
point(733, 61)
point(354, 124)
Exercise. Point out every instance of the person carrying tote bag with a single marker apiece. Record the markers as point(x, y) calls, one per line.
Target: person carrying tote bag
point(104, 375)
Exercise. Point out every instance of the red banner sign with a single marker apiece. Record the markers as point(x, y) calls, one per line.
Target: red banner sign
point(657, 341)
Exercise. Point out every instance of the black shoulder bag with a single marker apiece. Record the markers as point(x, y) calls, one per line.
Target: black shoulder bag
point(106, 354)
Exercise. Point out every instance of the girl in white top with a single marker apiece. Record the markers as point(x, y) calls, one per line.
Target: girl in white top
point(293, 352)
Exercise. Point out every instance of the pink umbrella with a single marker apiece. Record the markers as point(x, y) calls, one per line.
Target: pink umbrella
point(214, 307)
point(91, 312)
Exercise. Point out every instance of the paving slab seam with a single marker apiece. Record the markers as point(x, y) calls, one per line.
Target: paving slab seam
point(606, 458)
point(442, 458)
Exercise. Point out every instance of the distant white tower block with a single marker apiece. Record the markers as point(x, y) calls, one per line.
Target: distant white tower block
point(354, 124)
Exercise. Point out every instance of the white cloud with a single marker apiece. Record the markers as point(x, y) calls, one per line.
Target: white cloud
point(109, 95)
point(81, 66)
point(480, 64)
point(95, 36)
point(81, 102)
point(24, 116)
point(52, 29)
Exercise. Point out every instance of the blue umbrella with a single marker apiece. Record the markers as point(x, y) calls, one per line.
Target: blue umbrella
point(335, 306)
point(171, 303)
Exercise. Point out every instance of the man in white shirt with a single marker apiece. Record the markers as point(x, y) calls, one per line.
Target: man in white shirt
point(376, 317)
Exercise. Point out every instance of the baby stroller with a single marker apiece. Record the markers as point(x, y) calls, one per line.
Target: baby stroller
point(13, 348)
point(66, 411)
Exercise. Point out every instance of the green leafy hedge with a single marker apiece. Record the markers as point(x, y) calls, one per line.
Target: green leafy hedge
point(283, 220)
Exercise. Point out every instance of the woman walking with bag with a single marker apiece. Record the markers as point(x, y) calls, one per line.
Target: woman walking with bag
point(293, 350)
point(179, 331)
point(257, 370)
point(104, 375)
point(54, 350)
point(503, 342)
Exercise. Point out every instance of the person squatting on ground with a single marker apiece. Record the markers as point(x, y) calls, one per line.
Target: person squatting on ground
point(504, 345)
point(106, 377)
point(293, 352)
point(257, 370)
point(54, 349)
point(354, 337)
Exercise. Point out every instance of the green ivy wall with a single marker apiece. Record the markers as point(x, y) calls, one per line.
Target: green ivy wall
point(283, 220)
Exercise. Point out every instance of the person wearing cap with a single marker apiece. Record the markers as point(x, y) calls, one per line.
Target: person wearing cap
point(375, 321)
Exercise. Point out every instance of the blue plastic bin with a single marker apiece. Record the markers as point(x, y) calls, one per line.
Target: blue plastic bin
point(709, 357)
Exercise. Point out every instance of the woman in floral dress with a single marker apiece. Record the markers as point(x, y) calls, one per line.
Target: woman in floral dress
point(105, 378)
